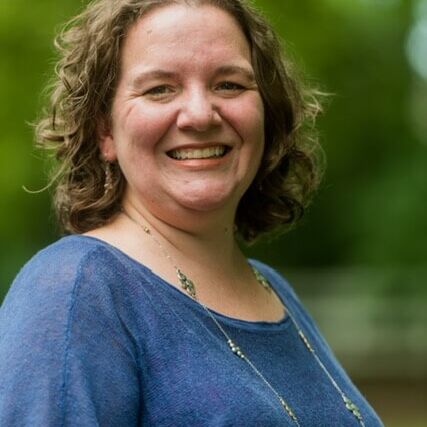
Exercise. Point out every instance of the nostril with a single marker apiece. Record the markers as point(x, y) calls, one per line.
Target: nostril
point(198, 119)
point(216, 116)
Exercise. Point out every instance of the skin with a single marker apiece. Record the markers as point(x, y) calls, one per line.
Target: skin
point(187, 82)
point(189, 85)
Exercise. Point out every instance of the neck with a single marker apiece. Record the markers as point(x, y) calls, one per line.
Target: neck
point(202, 246)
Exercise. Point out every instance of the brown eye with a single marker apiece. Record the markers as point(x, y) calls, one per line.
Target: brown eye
point(159, 92)
point(229, 86)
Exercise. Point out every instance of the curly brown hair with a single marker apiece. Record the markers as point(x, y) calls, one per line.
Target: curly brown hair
point(81, 97)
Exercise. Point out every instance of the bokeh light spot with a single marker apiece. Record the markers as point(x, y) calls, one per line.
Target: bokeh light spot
point(416, 48)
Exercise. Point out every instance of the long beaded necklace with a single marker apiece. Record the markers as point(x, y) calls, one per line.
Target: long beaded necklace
point(189, 287)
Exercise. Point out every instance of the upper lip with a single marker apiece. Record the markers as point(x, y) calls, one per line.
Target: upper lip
point(199, 145)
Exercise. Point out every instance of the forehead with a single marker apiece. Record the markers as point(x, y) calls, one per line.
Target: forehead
point(179, 31)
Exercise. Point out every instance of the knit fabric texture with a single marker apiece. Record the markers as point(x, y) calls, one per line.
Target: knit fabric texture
point(90, 337)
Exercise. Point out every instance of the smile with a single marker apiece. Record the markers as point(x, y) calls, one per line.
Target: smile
point(198, 153)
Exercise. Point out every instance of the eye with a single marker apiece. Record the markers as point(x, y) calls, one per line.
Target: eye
point(159, 92)
point(228, 86)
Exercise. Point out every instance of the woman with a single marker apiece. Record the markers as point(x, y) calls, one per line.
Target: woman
point(177, 127)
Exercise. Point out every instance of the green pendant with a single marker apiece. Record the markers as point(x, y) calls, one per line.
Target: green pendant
point(261, 279)
point(186, 283)
point(352, 407)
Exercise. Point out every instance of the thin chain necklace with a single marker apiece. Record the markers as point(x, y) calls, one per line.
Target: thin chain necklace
point(189, 287)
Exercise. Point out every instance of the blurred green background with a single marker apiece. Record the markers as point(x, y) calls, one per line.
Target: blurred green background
point(358, 259)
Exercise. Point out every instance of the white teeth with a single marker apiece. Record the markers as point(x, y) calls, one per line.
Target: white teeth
point(198, 153)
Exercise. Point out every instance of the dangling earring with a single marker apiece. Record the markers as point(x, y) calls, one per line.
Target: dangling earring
point(108, 183)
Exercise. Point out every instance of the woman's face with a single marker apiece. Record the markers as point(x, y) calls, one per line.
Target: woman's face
point(187, 122)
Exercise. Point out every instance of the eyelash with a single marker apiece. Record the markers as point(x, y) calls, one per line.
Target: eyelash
point(232, 86)
point(158, 90)
point(165, 90)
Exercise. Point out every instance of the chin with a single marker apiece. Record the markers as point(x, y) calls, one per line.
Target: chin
point(208, 199)
point(205, 204)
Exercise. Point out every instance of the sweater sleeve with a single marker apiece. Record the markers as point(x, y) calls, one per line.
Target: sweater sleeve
point(66, 356)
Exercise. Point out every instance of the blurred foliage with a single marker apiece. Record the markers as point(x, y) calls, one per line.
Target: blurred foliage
point(371, 209)
point(367, 225)
point(372, 206)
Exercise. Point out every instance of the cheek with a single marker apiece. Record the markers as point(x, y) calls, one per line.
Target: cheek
point(143, 127)
point(248, 123)
point(251, 129)
point(247, 118)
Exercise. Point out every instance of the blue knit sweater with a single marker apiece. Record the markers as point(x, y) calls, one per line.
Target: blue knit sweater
point(90, 337)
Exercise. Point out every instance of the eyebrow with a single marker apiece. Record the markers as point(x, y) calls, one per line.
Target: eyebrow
point(236, 69)
point(139, 78)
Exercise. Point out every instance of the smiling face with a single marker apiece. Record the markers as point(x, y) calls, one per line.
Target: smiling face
point(187, 120)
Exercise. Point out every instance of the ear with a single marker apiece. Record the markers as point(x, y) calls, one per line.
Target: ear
point(106, 143)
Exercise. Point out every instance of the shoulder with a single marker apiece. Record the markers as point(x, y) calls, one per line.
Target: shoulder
point(66, 255)
point(280, 284)
point(59, 266)
point(296, 308)
point(75, 283)
point(61, 325)
point(289, 297)
point(64, 264)
point(75, 268)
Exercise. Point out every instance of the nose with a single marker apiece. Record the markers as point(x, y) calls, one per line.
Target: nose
point(198, 111)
